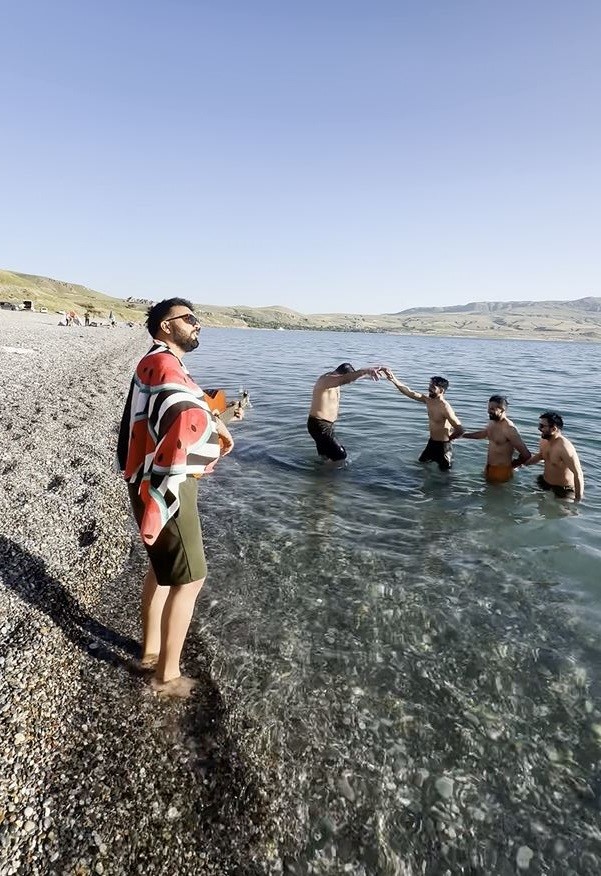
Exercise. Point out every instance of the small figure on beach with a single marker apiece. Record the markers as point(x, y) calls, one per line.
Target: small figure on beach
point(112, 321)
point(325, 405)
point(562, 472)
point(503, 440)
point(86, 317)
point(444, 424)
point(168, 439)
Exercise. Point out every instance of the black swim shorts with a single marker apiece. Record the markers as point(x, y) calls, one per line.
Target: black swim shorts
point(560, 492)
point(322, 432)
point(440, 452)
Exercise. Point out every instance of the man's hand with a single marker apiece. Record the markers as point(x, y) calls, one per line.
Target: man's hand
point(388, 374)
point(226, 443)
point(374, 373)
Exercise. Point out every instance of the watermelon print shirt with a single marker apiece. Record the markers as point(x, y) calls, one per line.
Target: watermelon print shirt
point(167, 433)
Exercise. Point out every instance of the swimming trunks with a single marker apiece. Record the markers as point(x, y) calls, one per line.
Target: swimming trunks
point(498, 474)
point(328, 445)
point(177, 554)
point(560, 492)
point(438, 451)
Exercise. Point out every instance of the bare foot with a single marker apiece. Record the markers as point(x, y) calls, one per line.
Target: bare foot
point(181, 687)
point(145, 664)
point(149, 661)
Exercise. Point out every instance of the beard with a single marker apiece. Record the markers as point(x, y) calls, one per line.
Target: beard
point(189, 344)
point(185, 341)
point(432, 394)
point(495, 417)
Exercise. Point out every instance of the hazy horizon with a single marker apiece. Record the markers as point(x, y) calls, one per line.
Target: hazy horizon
point(346, 157)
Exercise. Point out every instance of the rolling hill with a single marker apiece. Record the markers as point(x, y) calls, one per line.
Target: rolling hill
point(566, 320)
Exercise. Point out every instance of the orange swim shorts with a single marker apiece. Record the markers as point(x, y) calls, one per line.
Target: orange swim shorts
point(498, 474)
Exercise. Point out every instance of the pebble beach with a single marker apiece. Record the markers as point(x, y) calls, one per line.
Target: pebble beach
point(96, 775)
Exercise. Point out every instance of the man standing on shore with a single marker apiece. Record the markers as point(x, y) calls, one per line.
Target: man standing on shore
point(503, 439)
point(169, 438)
point(325, 405)
point(443, 421)
point(563, 472)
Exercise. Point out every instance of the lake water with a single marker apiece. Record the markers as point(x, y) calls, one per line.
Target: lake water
point(414, 655)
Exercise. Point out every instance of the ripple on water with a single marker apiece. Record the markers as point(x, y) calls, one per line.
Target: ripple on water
point(387, 626)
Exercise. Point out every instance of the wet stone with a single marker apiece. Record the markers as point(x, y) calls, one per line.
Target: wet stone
point(444, 787)
point(523, 857)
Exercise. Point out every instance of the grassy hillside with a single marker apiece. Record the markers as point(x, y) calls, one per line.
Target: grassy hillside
point(565, 320)
point(59, 295)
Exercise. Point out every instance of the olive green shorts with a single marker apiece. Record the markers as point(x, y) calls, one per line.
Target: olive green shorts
point(177, 556)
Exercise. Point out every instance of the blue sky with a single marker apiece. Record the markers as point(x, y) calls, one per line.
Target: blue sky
point(326, 156)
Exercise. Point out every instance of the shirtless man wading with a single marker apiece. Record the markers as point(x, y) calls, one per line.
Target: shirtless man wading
point(444, 423)
point(503, 439)
point(562, 472)
point(324, 408)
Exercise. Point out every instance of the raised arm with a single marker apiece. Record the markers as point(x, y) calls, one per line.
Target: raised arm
point(417, 396)
point(330, 381)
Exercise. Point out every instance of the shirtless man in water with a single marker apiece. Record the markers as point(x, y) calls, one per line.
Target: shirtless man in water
point(503, 439)
point(324, 408)
point(444, 423)
point(562, 472)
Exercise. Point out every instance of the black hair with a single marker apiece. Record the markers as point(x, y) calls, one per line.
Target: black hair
point(157, 312)
point(441, 382)
point(499, 400)
point(345, 368)
point(553, 418)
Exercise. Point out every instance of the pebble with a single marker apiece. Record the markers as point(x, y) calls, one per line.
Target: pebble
point(444, 786)
point(172, 813)
point(523, 857)
point(345, 789)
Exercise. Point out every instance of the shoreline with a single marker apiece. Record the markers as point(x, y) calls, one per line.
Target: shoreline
point(24, 318)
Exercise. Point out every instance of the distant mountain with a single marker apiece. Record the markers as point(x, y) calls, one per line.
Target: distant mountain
point(589, 304)
point(548, 320)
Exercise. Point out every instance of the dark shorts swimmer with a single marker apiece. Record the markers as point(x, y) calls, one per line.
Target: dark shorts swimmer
point(440, 452)
point(560, 492)
point(177, 556)
point(322, 432)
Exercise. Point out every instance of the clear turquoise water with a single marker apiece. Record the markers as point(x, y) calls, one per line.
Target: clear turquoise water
point(363, 614)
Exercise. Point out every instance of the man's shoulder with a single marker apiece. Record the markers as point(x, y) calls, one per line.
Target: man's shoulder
point(567, 444)
point(159, 364)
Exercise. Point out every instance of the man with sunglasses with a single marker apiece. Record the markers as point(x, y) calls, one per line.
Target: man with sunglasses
point(562, 473)
point(167, 440)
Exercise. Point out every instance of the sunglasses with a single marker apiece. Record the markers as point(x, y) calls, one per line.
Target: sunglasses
point(187, 317)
